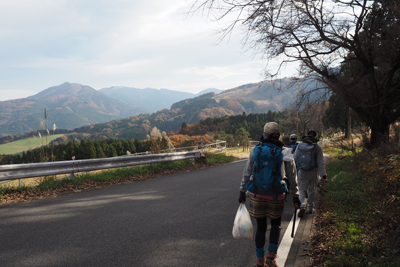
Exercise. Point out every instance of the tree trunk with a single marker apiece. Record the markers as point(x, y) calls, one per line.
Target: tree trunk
point(379, 133)
point(348, 129)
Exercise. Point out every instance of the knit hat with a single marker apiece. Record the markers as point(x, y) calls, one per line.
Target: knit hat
point(293, 136)
point(271, 128)
point(285, 140)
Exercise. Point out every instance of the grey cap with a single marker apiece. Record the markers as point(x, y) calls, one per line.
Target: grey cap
point(293, 136)
point(271, 127)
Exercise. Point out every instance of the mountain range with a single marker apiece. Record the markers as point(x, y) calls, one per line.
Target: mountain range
point(150, 100)
point(72, 105)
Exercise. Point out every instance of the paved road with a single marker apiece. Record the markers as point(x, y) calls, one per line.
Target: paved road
point(176, 220)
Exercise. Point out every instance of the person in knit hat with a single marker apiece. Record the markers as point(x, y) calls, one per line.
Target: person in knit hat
point(269, 205)
point(308, 178)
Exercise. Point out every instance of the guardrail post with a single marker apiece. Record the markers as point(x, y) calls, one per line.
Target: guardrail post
point(72, 174)
point(225, 147)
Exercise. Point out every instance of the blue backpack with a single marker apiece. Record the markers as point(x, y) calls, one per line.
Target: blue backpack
point(293, 147)
point(266, 178)
point(305, 157)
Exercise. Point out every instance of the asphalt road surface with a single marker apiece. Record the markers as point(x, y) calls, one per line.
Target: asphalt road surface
point(176, 220)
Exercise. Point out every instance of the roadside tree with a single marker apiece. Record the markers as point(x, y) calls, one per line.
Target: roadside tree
point(328, 38)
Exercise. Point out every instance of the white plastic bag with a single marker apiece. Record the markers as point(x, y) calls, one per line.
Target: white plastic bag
point(242, 226)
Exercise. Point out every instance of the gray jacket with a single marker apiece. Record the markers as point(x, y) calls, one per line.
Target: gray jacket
point(288, 169)
point(319, 159)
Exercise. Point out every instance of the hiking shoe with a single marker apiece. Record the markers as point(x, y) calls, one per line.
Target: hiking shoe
point(270, 260)
point(260, 260)
point(309, 211)
point(271, 263)
point(301, 212)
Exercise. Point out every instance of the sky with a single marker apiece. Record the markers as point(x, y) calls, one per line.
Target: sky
point(132, 43)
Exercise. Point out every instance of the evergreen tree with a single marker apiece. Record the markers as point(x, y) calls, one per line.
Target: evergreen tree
point(77, 148)
point(41, 158)
point(131, 147)
point(111, 151)
point(105, 147)
point(70, 150)
point(30, 157)
point(119, 147)
point(82, 151)
point(99, 151)
point(90, 150)
point(138, 145)
point(60, 154)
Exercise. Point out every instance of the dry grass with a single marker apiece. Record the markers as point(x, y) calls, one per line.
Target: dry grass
point(238, 153)
point(37, 180)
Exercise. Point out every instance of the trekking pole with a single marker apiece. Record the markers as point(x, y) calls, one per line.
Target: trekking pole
point(294, 221)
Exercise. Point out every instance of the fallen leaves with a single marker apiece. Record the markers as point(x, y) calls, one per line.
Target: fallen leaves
point(377, 228)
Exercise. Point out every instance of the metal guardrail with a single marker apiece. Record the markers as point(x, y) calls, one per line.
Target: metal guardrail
point(216, 148)
point(20, 171)
point(176, 149)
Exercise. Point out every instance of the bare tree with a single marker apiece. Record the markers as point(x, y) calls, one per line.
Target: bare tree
point(307, 117)
point(352, 46)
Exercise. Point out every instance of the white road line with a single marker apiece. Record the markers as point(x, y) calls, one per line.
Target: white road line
point(240, 160)
point(286, 242)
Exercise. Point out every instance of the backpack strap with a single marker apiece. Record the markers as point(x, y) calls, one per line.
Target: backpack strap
point(275, 172)
point(315, 157)
point(256, 170)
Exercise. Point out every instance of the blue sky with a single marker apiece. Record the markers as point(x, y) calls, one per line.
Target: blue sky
point(103, 43)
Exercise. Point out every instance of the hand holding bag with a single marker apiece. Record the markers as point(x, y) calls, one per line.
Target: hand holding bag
point(242, 226)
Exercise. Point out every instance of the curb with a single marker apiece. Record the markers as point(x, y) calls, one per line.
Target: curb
point(303, 257)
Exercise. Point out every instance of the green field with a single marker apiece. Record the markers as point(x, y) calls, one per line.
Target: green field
point(26, 144)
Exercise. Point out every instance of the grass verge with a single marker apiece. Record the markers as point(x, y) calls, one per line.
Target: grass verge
point(358, 216)
point(26, 144)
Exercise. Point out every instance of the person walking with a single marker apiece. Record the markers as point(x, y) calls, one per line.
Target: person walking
point(310, 164)
point(267, 204)
point(293, 142)
point(290, 166)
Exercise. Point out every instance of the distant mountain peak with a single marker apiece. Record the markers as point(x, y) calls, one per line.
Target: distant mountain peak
point(67, 89)
point(209, 90)
point(68, 105)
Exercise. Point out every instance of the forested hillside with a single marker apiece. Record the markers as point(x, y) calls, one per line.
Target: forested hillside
point(229, 127)
point(187, 111)
point(238, 129)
